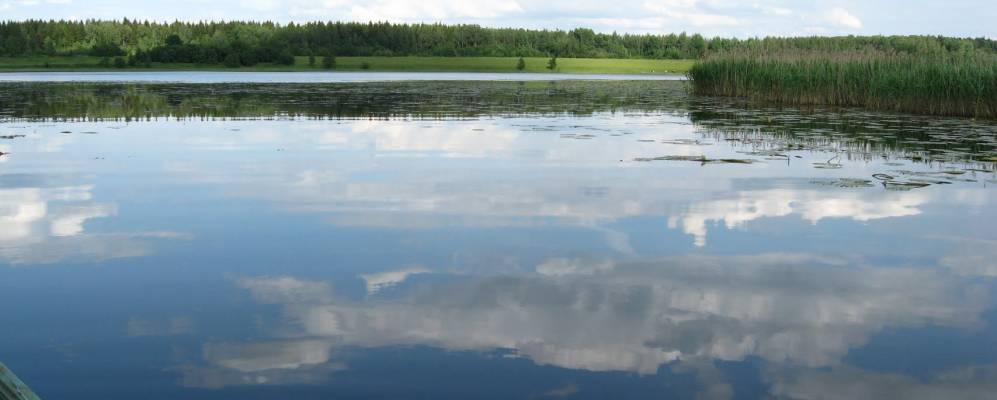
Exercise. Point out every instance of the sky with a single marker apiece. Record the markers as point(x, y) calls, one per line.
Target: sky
point(727, 18)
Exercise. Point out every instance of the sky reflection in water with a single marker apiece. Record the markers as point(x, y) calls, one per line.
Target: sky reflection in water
point(523, 254)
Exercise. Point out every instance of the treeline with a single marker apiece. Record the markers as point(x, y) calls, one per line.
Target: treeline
point(114, 38)
point(245, 43)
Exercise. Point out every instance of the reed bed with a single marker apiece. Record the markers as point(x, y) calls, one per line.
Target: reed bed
point(937, 83)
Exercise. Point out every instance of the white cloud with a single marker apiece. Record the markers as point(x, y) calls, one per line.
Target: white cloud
point(277, 362)
point(255, 357)
point(383, 280)
point(811, 204)
point(430, 10)
point(262, 5)
point(70, 222)
point(842, 18)
point(975, 382)
point(41, 225)
point(777, 11)
point(794, 308)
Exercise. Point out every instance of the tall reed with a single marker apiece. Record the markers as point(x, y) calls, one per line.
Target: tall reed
point(937, 83)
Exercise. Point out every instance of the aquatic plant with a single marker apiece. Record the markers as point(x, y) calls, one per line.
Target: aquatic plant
point(962, 83)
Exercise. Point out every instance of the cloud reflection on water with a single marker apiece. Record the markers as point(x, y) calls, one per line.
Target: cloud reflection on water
point(45, 223)
point(787, 309)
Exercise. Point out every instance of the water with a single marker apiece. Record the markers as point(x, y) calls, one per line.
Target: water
point(310, 77)
point(489, 239)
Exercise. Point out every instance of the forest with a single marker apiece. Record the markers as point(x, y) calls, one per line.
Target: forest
point(140, 43)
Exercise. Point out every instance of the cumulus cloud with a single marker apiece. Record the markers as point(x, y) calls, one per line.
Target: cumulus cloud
point(974, 382)
point(278, 362)
point(810, 204)
point(842, 18)
point(430, 10)
point(795, 308)
point(47, 223)
point(255, 357)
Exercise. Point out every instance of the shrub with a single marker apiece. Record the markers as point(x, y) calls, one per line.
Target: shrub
point(329, 62)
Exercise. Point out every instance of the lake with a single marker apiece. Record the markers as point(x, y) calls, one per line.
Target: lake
point(488, 239)
point(310, 77)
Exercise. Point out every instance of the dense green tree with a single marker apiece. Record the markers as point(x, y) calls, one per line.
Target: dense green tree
point(284, 57)
point(174, 40)
point(255, 42)
point(521, 64)
point(329, 61)
point(232, 60)
point(311, 60)
point(106, 50)
point(552, 63)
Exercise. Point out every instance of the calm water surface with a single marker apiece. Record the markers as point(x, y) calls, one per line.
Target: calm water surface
point(489, 239)
point(310, 77)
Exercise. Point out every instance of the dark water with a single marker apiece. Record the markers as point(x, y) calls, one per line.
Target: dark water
point(489, 239)
point(310, 77)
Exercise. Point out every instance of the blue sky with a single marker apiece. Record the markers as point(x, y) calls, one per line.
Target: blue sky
point(710, 17)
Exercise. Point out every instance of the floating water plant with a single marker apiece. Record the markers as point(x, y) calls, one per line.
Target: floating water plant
point(904, 186)
point(846, 183)
point(699, 159)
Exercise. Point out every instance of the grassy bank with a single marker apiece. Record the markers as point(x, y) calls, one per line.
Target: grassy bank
point(963, 84)
point(468, 64)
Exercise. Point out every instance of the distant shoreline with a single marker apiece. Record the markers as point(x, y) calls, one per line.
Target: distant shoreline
point(373, 64)
point(306, 77)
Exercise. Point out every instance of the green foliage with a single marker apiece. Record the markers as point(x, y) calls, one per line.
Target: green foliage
point(284, 58)
point(232, 60)
point(106, 50)
point(329, 62)
point(37, 37)
point(927, 79)
point(552, 63)
point(365, 65)
point(119, 62)
point(467, 64)
point(174, 40)
point(311, 60)
point(211, 43)
point(520, 64)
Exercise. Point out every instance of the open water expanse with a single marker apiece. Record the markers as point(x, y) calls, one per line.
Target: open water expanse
point(311, 77)
point(489, 239)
